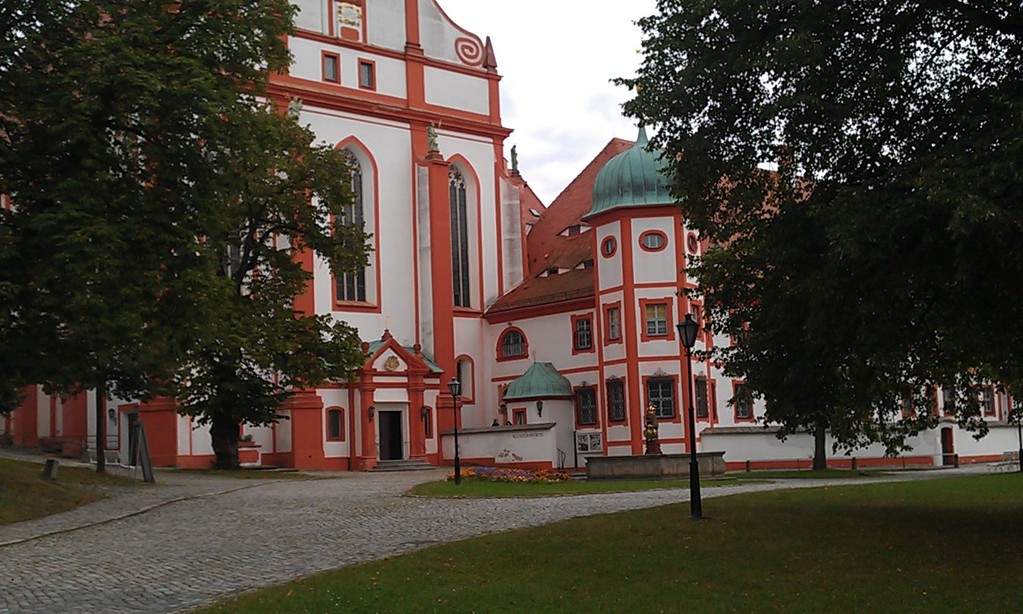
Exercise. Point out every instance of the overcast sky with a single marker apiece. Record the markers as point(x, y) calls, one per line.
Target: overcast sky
point(556, 58)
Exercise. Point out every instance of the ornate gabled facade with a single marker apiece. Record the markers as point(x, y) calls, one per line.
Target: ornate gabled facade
point(559, 322)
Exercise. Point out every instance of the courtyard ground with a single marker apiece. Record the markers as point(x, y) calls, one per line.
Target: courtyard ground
point(190, 539)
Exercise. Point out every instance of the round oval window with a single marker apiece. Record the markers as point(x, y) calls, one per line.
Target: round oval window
point(652, 240)
point(692, 243)
point(608, 247)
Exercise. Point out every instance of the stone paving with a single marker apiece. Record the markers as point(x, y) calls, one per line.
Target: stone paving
point(190, 540)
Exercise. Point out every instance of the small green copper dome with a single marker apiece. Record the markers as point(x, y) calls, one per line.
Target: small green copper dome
point(540, 381)
point(633, 177)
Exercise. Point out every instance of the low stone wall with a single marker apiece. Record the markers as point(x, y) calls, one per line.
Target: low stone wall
point(653, 466)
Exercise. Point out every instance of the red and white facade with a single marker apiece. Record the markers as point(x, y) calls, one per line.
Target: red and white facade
point(414, 98)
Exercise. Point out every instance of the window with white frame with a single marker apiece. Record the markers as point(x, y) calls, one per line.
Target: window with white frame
point(589, 442)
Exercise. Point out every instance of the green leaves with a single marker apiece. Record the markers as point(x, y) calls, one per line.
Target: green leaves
point(161, 206)
point(856, 167)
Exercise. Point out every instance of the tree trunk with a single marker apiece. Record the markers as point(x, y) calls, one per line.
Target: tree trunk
point(224, 436)
point(101, 428)
point(820, 449)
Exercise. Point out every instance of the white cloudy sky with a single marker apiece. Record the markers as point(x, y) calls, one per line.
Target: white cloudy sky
point(556, 58)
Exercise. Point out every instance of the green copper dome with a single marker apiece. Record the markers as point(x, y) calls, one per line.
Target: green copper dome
point(540, 381)
point(634, 177)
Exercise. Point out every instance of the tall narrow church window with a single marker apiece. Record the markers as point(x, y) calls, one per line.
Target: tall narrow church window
point(460, 271)
point(352, 286)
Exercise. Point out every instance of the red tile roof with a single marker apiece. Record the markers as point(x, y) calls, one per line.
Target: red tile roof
point(547, 249)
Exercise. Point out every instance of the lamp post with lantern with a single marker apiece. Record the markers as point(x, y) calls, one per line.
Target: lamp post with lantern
point(455, 387)
point(687, 331)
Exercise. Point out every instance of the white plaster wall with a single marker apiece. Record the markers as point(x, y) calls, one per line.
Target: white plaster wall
point(334, 397)
point(659, 266)
point(617, 433)
point(183, 438)
point(201, 442)
point(308, 64)
point(385, 23)
point(454, 90)
point(480, 183)
point(609, 270)
point(389, 145)
point(262, 435)
point(511, 237)
point(505, 446)
point(430, 398)
point(667, 347)
point(422, 204)
point(766, 446)
point(614, 351)
point(283, 430)
point(311, 15)
point(1000, 438)
point(438, 34)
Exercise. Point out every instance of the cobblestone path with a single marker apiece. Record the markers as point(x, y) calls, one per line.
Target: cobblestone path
point(191, 541)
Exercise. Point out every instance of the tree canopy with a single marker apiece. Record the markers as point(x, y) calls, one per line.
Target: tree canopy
point(159, 200)
point(856, 169)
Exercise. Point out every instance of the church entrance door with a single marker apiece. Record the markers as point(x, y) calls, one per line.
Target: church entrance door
point(390, 435)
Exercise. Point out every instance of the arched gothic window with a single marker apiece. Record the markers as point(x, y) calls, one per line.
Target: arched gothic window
point(460, 271)
point(352, 286)
point(513, 345)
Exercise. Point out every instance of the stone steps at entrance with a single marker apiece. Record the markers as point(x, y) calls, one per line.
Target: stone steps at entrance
point(403, 465)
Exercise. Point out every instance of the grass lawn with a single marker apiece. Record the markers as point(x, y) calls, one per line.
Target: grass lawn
point(25, 495)
point(948, 545)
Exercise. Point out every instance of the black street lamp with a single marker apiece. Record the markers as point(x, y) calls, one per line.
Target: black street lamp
point(687, 331)
point(455, 387)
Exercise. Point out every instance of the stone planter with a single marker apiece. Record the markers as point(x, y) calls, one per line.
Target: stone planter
point(653, 466)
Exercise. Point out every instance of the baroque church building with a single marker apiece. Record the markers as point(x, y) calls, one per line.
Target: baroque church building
point(558, 322)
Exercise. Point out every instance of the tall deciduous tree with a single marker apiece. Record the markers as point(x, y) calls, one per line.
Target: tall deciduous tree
point(877, 258)
point(137, 149)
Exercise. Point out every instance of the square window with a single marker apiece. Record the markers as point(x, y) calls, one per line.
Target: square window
point(614, 324)
point(582, 337)
point(661, 394)
point(657, 320)
point(519, 416)
point(367, 75)
point(335, 425)
point(331, 68)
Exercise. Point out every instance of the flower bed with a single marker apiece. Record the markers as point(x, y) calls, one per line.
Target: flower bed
point(505, 474)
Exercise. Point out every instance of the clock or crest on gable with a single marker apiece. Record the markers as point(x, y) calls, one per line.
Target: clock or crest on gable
point(348, 16)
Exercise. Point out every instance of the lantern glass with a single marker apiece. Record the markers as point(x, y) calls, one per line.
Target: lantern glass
point(688, 330)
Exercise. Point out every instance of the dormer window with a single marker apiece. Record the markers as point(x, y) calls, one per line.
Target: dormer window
point(573, 230)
